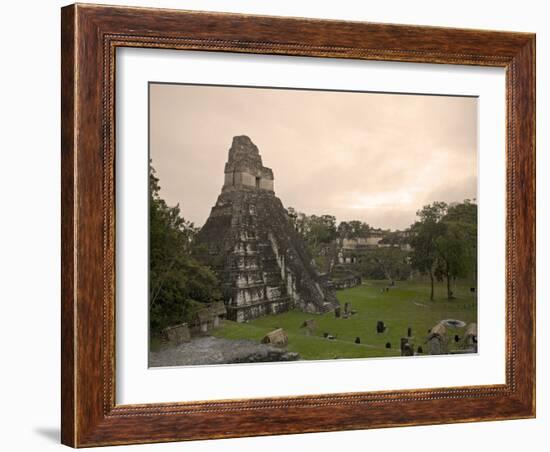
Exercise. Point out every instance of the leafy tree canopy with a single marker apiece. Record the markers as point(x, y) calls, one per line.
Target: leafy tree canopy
point(177, 282)
point(353, 229)
point(444, 241)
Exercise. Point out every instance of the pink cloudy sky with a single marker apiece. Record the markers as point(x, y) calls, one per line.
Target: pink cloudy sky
point(365, 156)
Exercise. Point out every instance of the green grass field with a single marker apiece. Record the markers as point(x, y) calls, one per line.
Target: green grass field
point(405, 305)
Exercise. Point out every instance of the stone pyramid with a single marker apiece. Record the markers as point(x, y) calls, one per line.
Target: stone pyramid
point(249, 241)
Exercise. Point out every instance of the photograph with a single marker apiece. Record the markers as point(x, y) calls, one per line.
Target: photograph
point(275, 224)
point(297, 224)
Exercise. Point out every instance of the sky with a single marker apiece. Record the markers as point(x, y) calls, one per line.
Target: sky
point(372, 157)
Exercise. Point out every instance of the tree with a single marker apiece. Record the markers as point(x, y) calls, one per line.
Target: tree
point(457, 245)
point(319, 234)
point(353, 229)
point(464, 212)
point(321, 230)
point(392, 261)
point(344, 230)
point(444, 242)
point(177, 282)
point(424, 235)
point(315, 230)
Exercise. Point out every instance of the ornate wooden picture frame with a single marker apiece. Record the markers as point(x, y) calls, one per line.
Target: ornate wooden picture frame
point(90, 37)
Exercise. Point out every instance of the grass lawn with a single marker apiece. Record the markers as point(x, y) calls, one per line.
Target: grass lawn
point(405, 305)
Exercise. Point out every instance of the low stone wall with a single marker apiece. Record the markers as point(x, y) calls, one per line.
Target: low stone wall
point(247, 312)
point(347, 282)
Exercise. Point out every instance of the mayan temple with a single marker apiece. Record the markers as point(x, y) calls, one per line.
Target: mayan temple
point(261, 260)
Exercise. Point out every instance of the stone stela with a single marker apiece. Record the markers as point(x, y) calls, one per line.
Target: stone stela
point(263, 264)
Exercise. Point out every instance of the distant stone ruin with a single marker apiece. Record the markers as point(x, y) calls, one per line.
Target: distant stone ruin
point(261, 260)
point(310, 325)
point(208, 318)
point(347, 282)
point(276, 337)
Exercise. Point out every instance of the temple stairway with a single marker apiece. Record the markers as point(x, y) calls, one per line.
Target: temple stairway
point(252, 274)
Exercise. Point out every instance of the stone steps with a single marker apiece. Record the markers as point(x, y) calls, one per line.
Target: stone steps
point(254, 275)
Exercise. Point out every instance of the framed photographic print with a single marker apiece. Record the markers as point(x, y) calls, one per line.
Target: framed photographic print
point(281, 225)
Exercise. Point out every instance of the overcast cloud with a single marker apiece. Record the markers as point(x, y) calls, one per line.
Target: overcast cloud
point(371, 157)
